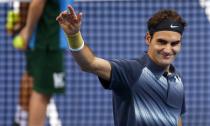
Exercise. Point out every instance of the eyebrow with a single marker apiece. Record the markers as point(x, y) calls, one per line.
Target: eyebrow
point(163, 40)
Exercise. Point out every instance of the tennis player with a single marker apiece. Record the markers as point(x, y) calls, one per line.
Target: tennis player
point(147, 91)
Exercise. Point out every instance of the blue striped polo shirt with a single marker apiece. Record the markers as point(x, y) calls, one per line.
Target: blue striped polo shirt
point(142, 95)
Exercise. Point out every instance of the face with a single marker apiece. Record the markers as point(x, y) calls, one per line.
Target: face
point(163, 47)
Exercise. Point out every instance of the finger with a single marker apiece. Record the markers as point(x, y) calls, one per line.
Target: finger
point(65, 20)
point(59, 19)
point(66, 16)
point(65, 12)
point(69, 19)
point(79, 17)
point(71, 11)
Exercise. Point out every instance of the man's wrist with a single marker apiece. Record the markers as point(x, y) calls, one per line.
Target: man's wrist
point(76, 42)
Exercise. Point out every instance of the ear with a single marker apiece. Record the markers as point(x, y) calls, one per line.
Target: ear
point(148, 38)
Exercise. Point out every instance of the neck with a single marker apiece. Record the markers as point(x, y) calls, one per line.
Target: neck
point(167, 69)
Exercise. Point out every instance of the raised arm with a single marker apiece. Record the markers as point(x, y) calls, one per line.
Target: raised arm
point(71, 23)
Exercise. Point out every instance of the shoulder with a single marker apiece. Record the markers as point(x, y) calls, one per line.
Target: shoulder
point(129, 68)
point(127, 64)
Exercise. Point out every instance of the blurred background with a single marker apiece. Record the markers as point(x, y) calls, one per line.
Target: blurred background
point(115, 29)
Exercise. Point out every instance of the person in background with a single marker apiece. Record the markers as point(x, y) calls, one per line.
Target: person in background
point(43, 48)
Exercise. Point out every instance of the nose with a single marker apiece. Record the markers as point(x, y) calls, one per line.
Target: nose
point(167, 48)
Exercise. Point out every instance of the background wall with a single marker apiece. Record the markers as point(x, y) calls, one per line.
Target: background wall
point(116, 29)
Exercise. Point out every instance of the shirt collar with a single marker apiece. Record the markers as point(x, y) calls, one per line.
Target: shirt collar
point(157, 70)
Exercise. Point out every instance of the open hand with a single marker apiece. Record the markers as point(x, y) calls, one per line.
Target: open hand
point(70, 21)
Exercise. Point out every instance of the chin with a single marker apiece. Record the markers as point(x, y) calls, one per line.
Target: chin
point(165, 63)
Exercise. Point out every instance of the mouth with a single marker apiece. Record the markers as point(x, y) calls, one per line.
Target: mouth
point(167, 56)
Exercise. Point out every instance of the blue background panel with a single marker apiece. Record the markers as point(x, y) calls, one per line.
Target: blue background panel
point(116, 29)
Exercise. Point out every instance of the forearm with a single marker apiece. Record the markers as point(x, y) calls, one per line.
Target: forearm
point(34, 13)
point(81, 53)
point(85, 58)
point(24, 6)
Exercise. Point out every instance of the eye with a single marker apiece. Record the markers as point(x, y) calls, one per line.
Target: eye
point(175, 43)
point(162, 42)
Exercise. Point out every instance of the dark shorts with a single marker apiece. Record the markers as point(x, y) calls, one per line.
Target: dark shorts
point(47, 70)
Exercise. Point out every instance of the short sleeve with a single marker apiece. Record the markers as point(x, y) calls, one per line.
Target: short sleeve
point(124, 73)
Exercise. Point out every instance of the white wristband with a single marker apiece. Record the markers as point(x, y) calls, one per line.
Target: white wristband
point(76, 42)
point(78, 49)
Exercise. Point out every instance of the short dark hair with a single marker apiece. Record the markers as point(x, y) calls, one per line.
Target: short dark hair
point(163, 15)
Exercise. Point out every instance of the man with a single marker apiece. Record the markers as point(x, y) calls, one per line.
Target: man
point(147, 91)
point(26, 82)
point(44, 55)
point(13, 27)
